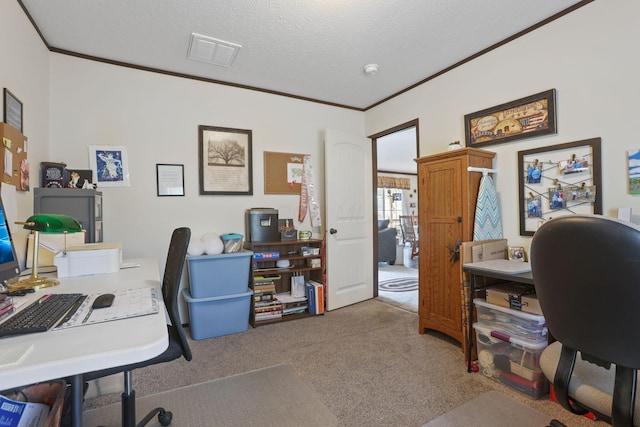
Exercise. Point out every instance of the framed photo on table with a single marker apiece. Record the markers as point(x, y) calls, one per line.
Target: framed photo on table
point(225, 161)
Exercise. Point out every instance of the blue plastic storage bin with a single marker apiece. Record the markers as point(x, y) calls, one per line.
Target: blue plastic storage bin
point(218, 275)
point(217, 316)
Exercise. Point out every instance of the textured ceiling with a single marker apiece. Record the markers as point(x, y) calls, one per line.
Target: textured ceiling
point(312, 49)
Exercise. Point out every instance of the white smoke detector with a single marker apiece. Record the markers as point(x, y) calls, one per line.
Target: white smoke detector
point(371, 69)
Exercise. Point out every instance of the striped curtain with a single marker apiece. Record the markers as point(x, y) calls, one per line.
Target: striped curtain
point(392, 182)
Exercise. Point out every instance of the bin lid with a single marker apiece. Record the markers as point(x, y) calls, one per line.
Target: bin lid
point(258, 211)
point(231, 236)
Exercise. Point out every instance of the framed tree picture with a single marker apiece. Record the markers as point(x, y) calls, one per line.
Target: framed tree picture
point(558, 180)
point(225, 160)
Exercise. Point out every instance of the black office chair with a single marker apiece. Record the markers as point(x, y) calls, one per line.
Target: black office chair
point(586, 270)
point(178, 345)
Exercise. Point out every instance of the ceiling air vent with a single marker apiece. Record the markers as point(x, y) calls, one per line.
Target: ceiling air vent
point(212, 51)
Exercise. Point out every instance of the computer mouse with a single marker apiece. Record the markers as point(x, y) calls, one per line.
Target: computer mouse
point(103, 301)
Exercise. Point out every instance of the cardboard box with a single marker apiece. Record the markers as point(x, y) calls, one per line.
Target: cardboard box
point(509, 294)
point(489, 250)
point(50, 245)
point(530, 304)
point(89, 259)
point(286, 235)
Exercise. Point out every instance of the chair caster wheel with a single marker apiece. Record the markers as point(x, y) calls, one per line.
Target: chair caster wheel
point(165, 418)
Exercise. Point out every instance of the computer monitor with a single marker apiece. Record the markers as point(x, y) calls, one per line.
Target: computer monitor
point(9, 267)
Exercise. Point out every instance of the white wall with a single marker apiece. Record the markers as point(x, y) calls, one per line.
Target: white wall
point(24, 70)
point(588, 56)
point(156, 117)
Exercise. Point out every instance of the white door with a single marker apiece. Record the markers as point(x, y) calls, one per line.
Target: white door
point(349, 206)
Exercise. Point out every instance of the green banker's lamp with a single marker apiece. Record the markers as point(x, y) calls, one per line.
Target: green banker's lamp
point(50, 224)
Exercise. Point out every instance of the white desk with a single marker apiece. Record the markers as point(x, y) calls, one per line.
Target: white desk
point(73, 351)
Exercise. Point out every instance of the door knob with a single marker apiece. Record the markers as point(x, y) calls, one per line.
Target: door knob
point(333, 231)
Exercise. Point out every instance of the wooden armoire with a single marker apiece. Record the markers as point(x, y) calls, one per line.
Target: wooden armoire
point(447, 202)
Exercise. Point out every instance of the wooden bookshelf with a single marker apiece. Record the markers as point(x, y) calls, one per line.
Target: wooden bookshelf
point(265, 272)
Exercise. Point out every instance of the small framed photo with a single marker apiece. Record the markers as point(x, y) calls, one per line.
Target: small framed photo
point(110, 165)
point(170, 179)
point(516, 253)
point(12, 110)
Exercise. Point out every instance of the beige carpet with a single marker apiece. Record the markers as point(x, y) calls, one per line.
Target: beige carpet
point(491, 409)
point(273, 396)
point(367, 364)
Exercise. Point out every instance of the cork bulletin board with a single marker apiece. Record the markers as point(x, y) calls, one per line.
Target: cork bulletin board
point(13, 161)
point(282, 172)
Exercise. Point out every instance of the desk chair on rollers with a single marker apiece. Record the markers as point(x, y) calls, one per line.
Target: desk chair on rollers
point(586, 271)
point(178, 345)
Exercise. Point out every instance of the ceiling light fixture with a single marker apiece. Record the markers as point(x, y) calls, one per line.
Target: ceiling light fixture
point(371, 69)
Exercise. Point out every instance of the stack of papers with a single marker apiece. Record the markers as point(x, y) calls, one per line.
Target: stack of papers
point(126, 304)
point(502, 266)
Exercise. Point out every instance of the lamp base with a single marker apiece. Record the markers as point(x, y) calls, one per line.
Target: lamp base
point(33, 282)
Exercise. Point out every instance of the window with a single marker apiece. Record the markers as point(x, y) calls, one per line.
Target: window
point(390, 205)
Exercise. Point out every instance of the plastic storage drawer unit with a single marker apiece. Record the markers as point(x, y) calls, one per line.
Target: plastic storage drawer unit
point(515, 363)
point(512, 323)
point(217, 275)
point(216, 316)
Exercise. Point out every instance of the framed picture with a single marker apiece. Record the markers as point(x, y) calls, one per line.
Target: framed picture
point(527, 117)
point(170, 179)
point(225, 160)
point(12, 110)
point(110, 165)
point(557, 180)
point(633, 158)
point(77, 177)
point(516, 253)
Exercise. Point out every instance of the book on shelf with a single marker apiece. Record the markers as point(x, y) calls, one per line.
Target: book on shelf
point(267, 308)
point(264, 288)
point(294, 310)
point(291, 304)
point(286, 297)
point(268, 315)
point(315, 294)
point(263, 303)
point(6, 301)
point(264, 297)
point(6, 311)
point(266, 255)
point(266, 277)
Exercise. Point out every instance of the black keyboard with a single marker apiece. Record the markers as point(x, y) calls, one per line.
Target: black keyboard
point(42, 315)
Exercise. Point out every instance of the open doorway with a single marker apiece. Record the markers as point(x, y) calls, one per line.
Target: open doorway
point(395, 186)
